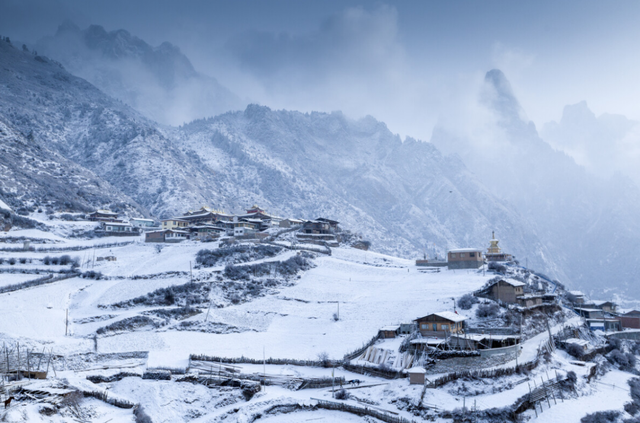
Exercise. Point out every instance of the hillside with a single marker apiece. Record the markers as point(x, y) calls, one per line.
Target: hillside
point(147, 331)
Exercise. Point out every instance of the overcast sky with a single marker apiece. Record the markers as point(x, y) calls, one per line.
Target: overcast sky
point(402, 62)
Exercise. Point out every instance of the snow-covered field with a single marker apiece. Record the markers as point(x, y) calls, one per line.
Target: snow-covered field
point(294, 321)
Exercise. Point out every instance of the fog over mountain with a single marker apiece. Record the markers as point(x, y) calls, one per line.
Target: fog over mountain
point(586, 221)
point(160, 82)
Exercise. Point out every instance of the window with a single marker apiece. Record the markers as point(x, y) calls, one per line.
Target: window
point(435, 326)
point(444, 327)
point(472, 254)
point(424, 326)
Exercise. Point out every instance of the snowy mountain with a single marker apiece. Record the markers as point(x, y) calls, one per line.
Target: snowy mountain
point(35, 177)
point(160, 82)
point(403, 195)
point(587, 222)
point(70, 116)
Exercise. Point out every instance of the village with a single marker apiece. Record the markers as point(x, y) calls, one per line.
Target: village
point(345, 329)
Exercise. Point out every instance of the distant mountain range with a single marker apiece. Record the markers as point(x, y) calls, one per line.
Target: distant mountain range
point(160, 82)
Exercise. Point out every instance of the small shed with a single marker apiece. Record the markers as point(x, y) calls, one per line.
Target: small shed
point(389, 331)
point(584, 345)
point(465, 258)
point(630, 320)
point(506, 290)
point(417, 375)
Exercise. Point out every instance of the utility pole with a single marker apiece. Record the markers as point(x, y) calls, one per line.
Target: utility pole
point(66, 324)
point(190, 273)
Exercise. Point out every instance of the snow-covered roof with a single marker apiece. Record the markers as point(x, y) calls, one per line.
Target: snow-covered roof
point(587, 309)
point(577, 341)
point(105, 212)
point(428, 341)
point(417, 370)
point(466, 250)
point(511, 282)
point(390, 328)
point(140, 219)
point(175, 218)
point(577, 293)
point(600, 302)
point(482, 336)
point(448, 315)
point(116, 223)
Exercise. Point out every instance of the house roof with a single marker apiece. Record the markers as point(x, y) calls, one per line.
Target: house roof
point(466, 250)
point(175, 218)
point(577, 341)
point(177, 231)
point(417, 370)
point(577, 293)
point(116, 224)
point(511, 282)
point(447, 315)
point(142, 219)
point(323, 219)
point(105, 212)
point(390, 328)
point(588, 309)
point(632, 313)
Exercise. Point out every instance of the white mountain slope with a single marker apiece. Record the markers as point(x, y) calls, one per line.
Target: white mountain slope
point(403, 194)
point(587, 223)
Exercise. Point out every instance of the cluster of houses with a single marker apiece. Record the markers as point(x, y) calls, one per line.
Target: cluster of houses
point(111, 224)
point(208, 224)
point(604, 315)
point(469, 258)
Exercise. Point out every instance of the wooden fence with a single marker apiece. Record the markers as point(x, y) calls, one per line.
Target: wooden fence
point(379, 414)
point(483, 374)
point(361, 350)
point(374, 371)
point(36, 282)
point(270, 360)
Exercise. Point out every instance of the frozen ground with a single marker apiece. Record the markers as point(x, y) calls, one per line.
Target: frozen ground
point(295, 321)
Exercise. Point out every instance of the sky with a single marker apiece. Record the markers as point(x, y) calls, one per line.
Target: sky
point(403, 62)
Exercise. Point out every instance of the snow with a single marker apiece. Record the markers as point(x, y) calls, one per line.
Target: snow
point(371, 290)
point(4, 206)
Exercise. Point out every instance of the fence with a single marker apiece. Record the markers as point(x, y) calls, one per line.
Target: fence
point(36, 282)
point(483, 374)
point(374, 371)
point(383, 415)
point(360, 351)
point(60, 249)
point(276, 361)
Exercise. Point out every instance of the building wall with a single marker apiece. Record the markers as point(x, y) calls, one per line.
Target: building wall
point(464, 265)
point(505, 293)
point(154, 237)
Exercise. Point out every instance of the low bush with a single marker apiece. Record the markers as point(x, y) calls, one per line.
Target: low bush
point(235, 254)
point(141, 415)
point(342, 394)
point(601, 417)
point(632, 408)
point(467, 301)
point(12, 261)
point(128, 324)
point(23, 260)
point(65, 260)
point(91, 274)
point(487, 310)
point(626, 361)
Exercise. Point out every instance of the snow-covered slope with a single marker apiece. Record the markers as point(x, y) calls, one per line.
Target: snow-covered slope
point(66, 114)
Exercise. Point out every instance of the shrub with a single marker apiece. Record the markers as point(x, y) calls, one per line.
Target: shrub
point(91, 274)
point(46, 260)
point(55, 260)
point(12, 261)
point(467, 301)
point(235, 254)
point(614, 344)
point(626, 361)
point(487, 310)
point(64, 260)
point(23, 260)
point(634, 384)
point(342, 394)
point(632, 408)
point(569, 383)
point(335, 317)
point(141, 415)
point(324, 358)
point(601, 417)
